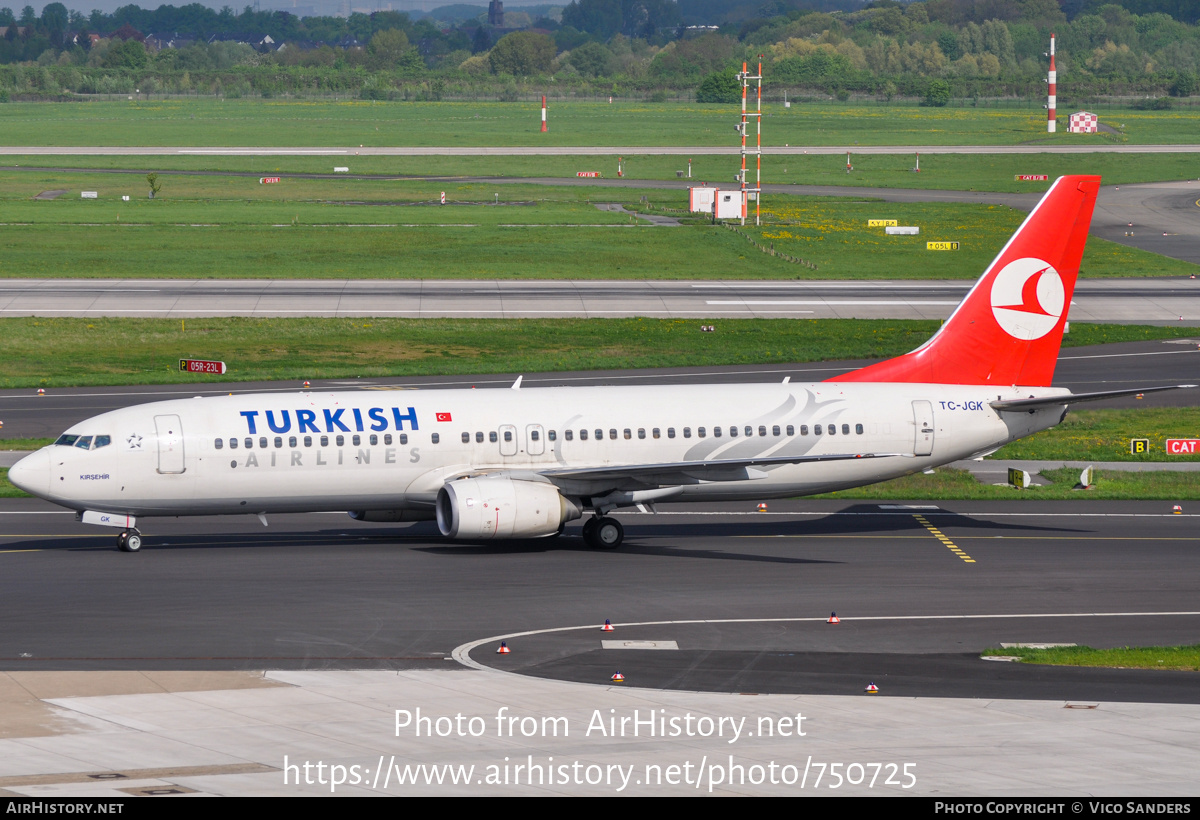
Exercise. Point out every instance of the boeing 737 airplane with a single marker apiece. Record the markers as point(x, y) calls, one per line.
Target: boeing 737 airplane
point(521, 463)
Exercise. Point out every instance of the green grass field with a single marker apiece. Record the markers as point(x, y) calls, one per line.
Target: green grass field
point(212, 122)
point(966, 172)
point(1103, 435)
point(60, 352)
point(1181, 658)
point(959, 485)
point(232, 227)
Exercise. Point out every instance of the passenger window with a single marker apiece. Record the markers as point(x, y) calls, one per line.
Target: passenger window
point(670, 432)
point(387, 438)
point(466, 438)
point(700, 432)
point(858, 429)
point(628, 434)
point(599, 435)
point(249, 442)
point(374, 439)
point(654, 432)
point(233, 444)
point(291, 441)
point(641, 432)
point(534, 436)
point(478, 438)
point(775, 430)
point(762, 430)
point(219, 443)
point(749, 431)
point(583, 435)
point(308, 441)
point(104, 441)
point(687, 432)
point(733, 433)
point(404, 438)
point(570, 434)
point(716, 432)
point(831, 430)
point(612, 433)
point(508, 435)
point(804, 429)
point(791, 431)
point(435, 438)
point(845, 429)
point(324, 441)
point(553, 435)
point(278, 442)
point(816, 429)
point(262, 442)
point(339, 441)
point(492, 436)
point(356, 439)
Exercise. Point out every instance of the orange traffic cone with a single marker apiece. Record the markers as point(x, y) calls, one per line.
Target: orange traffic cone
point(503, 650)
point(833, 618)
point(608, 627)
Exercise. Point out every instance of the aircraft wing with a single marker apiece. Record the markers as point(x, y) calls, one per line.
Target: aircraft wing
point(690, 472)
point(1073, 398)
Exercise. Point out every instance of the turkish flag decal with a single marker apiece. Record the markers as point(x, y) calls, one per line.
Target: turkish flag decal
point(443, 417)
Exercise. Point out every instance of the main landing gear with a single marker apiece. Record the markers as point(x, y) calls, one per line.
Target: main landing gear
point(603, 533)
point(129, 541)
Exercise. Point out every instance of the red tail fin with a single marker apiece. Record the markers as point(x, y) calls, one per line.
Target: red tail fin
point(1009, 327)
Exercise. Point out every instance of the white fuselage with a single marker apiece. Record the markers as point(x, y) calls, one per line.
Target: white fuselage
point(393, 450)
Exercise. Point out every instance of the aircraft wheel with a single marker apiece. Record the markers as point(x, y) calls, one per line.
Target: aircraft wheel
point(589, 532)
point(133, 541)
point(121, 542)
point(608, 533)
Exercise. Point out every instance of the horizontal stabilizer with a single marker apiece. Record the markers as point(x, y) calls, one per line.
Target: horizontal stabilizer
point(1075, 398)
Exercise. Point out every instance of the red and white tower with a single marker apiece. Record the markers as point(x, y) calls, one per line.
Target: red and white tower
point(544, 110)
point(1051, 94)
point(746, 77)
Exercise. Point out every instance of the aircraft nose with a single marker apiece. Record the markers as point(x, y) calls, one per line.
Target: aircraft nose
point(32, 473)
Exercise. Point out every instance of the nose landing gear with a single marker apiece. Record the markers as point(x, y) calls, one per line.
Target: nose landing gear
point(129, 541)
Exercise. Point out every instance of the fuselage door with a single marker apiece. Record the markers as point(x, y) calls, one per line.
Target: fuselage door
point(535, 439)
point(923, 417)
point(508, 440)
point(170, 444)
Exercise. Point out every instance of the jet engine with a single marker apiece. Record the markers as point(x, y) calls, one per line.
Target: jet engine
point(502, 508)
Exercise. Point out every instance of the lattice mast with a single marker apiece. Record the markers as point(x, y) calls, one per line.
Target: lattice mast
point(746, 77)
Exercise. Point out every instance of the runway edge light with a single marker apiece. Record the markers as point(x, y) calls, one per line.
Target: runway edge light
point(833, 618)
point(872, 689)
point(503, 650)
point(608, 627)
point(618, 677)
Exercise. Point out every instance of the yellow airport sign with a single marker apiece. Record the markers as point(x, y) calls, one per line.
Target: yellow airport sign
point(882, 223)
point(941, 246)
point(1138, 446)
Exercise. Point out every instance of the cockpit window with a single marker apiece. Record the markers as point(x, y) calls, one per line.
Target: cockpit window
point(67, 440)
point(101, 441)
point(84, 442)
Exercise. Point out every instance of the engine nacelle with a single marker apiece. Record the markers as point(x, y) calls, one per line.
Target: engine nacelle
point(392, 516)
point(502, 508)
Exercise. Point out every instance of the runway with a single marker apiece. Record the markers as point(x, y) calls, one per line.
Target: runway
point(1127, 301)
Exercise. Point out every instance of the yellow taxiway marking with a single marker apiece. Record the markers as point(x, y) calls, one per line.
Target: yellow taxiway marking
point(936, 533)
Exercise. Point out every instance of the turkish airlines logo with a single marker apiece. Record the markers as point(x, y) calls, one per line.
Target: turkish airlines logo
point(443, 417)
point(1028, 298)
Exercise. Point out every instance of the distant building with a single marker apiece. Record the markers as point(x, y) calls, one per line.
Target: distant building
point(496, 13)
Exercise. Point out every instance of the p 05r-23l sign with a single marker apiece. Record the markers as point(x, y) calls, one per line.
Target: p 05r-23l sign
point(201, 366)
